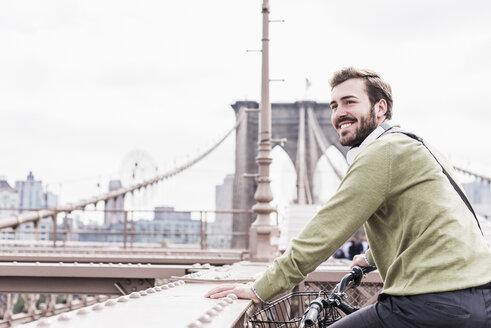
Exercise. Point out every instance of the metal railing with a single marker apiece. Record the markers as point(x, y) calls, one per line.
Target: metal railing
point(17, 309)
point(201, 229)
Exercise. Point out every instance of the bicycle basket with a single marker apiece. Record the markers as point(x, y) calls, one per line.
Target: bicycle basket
point(287, 311)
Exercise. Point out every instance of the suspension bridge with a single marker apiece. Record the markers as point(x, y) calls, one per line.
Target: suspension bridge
point(63, 282)
point(106, 280)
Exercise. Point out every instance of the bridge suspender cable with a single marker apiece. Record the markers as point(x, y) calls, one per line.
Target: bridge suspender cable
point(15, 220)
point(475, 175)
point(322, 140)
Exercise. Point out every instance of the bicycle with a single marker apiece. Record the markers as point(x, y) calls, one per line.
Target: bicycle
point(322, 310)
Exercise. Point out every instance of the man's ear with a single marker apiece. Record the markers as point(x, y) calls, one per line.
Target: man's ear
point(381, 108)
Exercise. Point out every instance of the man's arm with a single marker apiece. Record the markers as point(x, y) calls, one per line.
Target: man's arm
point(361, 192)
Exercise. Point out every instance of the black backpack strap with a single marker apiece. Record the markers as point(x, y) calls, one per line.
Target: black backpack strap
point(389, 129)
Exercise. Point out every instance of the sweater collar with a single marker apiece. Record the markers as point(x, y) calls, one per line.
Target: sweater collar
point(354, 151)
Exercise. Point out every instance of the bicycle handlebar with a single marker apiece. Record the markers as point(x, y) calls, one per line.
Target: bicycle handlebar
point(355, 275)
point(315, 307)
point(310, 316)
point(345, 307)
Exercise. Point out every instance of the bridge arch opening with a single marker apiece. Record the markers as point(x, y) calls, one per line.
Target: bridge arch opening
point(325, 180)
point(283, 179)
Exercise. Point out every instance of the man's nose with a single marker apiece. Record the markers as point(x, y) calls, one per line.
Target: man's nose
point(340, 112)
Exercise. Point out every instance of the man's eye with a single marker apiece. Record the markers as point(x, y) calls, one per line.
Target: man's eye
point(334, 107)
point(350, 102)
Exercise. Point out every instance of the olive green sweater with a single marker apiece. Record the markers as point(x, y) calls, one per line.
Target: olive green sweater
point(422, 237)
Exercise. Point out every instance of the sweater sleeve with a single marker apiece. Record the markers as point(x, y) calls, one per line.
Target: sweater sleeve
point(369, 256)
point(361, 192)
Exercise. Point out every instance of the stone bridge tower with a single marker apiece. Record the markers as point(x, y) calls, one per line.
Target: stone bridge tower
point(289, 120)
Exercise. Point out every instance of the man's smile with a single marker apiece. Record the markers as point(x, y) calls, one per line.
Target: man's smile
point(345, 125)
point(345, 122)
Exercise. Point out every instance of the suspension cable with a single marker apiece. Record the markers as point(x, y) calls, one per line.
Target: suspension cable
point(475, 175)
point(36, 215)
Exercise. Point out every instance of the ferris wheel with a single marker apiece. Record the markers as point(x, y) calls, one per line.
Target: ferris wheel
point(137, 166)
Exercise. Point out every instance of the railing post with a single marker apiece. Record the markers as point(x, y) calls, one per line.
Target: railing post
point(69, 301)
point(9, 308)
point(205, 231)
point(201, 232)
point(65, 229)
point(247, 236)
point(125, 228)
point(55, 214)
point(36, 231)
point(132, 231)
point(30, 304)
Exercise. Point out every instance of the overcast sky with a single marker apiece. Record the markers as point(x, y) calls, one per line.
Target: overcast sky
point(83, 83)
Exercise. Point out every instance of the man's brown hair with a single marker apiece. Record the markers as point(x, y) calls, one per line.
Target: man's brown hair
point(376, 87)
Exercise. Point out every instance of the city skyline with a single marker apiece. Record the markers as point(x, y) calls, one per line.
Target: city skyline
point(84, 83)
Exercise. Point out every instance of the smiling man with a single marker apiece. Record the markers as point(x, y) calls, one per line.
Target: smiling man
point(424, 239)
point(353, 115)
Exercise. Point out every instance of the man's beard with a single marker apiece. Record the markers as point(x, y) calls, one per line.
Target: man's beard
point(368, 123)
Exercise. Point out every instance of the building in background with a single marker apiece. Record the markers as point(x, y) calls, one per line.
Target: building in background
point(221, 229)
point(27, 195)
point(112, 215)
point(9, 199)
point(479, 194)
point(27, 231)
point(50, 199)
point(31, 195)
point(176, 227)
point(168, 227)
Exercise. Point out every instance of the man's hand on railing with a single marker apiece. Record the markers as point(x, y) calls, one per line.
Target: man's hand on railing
point(240, 290)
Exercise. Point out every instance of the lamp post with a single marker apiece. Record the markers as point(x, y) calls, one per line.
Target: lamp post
point(262, 229)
